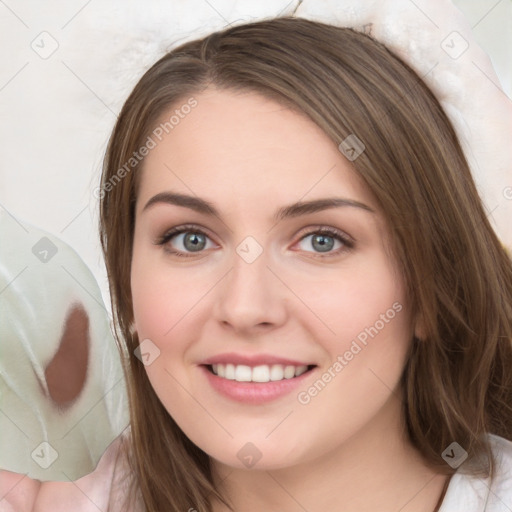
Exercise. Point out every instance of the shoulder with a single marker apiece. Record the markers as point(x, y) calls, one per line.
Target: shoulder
point(467, 493)
point(96, 491)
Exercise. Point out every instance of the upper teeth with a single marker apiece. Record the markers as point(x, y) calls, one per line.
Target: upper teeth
point(263, 373)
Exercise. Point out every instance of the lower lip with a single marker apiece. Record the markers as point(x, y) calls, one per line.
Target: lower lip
point(254, 392)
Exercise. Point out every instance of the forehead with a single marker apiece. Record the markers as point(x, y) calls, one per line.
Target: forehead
point(242, 148)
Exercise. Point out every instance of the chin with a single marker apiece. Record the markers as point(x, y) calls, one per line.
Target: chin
point(241, 453)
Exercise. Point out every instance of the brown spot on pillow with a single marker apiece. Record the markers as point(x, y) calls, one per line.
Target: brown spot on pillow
point(67, 371)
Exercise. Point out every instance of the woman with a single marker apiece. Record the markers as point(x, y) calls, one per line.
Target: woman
point(313, 308)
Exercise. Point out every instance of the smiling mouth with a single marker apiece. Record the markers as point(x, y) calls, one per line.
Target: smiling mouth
point(261, 373)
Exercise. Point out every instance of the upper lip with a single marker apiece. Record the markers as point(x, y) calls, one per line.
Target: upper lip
point(252, 360)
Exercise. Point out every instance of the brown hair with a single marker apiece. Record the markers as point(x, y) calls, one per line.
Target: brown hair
point(457, 382)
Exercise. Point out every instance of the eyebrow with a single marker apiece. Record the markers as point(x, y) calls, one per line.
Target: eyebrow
point(293, 210)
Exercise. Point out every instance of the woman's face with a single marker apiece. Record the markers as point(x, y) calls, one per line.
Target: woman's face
point(279, 281)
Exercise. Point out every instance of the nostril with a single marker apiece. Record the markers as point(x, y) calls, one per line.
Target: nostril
point(67, 371)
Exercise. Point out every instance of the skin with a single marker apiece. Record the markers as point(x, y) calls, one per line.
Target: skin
point(250, 156)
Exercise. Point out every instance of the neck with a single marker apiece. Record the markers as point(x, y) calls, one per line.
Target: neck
point(375, 469)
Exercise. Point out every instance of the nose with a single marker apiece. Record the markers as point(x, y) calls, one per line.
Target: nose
point(251, 299)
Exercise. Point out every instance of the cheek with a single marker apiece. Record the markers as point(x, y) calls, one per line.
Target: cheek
point(150, 305)
point(160, 306)
point(366, 355)
point(369, 316)
point(160, 298)
point(366, 301)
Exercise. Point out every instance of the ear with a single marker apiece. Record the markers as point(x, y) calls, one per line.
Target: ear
point(67, 371)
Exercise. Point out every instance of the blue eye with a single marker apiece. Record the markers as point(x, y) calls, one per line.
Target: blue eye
point(191, 239)
point(324, 240)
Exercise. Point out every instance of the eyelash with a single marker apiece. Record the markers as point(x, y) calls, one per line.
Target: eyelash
point(347, 242)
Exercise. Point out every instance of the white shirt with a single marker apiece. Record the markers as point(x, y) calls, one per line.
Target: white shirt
point(471, 494)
